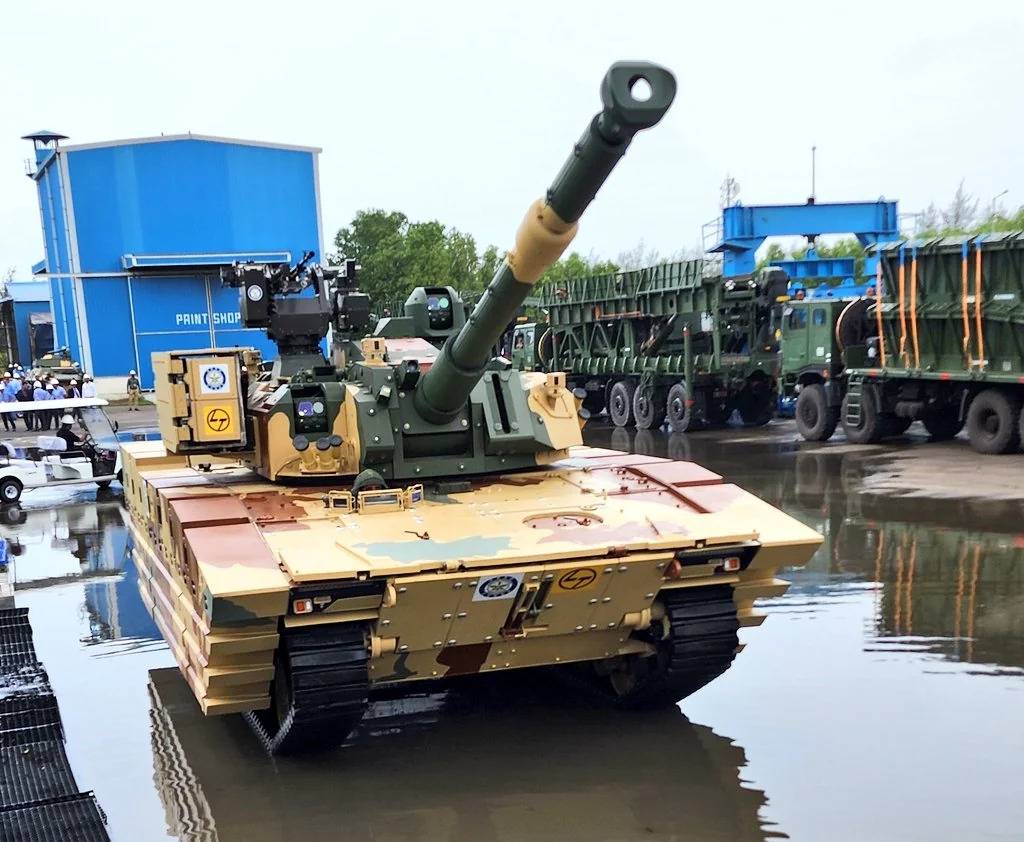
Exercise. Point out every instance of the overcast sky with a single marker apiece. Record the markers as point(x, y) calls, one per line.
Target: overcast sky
point(464, 111)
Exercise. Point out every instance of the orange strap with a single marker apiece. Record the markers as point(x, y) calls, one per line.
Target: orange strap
point(903, 313)
point(965, 287)
point(913, 308)
point(878, 313)
point(977, 307)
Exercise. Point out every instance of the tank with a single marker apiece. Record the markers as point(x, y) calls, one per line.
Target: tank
point(58, 364)
point(401, 510)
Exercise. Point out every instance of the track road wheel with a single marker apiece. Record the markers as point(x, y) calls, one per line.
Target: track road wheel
point(815, 419)
point(620, 403)
point(10, 491)
point(696, 642)
point(319, 692)
point(943, 425)
point(649, 408)
point(680, 410)
point(993, 422)
point(870, 429)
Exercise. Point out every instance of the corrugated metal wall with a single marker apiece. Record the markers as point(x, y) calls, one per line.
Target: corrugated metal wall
point(169, 200)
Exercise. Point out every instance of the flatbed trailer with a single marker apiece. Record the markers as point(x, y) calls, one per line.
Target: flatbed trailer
point(674, 342)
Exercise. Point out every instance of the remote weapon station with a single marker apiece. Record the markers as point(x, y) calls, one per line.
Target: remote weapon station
point(412, 511)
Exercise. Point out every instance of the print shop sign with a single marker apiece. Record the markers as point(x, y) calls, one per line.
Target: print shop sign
point(226, 319)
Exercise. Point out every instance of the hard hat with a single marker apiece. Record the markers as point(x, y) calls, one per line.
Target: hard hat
point(7, 374)
point(132, 371)
point(67, 419)
point(88, 377)
point(38, 385)
point(74, 382)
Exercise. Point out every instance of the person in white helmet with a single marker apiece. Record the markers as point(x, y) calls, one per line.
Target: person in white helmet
point(9, 395)
point(88, 387)
point(39, 394)
point(134, 390)
point(71, 441)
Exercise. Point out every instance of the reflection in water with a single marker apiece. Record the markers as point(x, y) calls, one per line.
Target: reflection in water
point(947, 576)
point(453, 767)
point(84, 541)
point(876, 649)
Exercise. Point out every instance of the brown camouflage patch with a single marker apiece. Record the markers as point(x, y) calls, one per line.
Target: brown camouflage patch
point(464, 660)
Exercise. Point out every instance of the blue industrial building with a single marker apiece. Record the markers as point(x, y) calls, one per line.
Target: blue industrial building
point(136, 232)
point(27, 322)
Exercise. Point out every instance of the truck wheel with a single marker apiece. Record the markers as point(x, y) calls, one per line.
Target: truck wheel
point(993, 422)
point(649, 408)
point(894, 425)
point(594, 402)
point(815, 420)
point(620, 403)
point(10, 491)
point(680, 410)
point(943, 426)
point(756, 402)
point(870, 429)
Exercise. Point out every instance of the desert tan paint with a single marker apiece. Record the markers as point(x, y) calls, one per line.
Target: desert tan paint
point(540, 241)
point(621, 555)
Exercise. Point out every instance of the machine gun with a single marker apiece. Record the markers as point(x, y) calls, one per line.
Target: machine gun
point(271, 299)
point(398, 406)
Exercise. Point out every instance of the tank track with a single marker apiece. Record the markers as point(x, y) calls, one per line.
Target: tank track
point(699, 645)
point(326, 684)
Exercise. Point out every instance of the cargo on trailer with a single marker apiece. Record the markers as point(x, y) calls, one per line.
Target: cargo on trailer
point(674, 342)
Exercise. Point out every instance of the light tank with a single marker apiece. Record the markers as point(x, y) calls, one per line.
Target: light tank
point(408, 512)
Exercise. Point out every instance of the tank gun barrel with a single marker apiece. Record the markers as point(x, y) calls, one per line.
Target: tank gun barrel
point(635, 96)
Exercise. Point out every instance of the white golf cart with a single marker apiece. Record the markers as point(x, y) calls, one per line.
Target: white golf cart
point(48, 461)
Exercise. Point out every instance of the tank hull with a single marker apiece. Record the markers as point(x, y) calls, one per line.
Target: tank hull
point(567, 563)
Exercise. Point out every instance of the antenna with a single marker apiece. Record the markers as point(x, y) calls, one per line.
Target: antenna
point(814, 173)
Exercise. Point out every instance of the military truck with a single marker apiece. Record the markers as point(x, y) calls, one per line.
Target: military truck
point(399, 516)
point(941, 342)
point(674, 342)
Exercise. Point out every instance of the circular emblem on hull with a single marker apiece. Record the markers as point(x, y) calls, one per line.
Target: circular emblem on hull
point(215, 378)
point(496, 587)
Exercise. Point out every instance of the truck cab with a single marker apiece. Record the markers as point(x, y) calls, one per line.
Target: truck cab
point(809, 350)
point(523, 352)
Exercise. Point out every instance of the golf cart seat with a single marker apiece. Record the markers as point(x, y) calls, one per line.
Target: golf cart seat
point(53, 444)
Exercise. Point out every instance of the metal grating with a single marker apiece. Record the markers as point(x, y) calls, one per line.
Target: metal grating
point(34, 772)
point(39, 799)
point(74, 819)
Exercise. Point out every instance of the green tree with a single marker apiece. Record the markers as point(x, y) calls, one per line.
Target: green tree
point(772, 253)
point(397, 255)
point(577, 266)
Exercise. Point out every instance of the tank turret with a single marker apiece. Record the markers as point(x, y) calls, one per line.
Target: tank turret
point(392, 402)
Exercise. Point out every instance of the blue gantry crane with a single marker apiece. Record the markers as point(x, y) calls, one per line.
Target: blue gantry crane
point(743, 228)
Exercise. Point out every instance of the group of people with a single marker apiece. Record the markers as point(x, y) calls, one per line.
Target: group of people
point(17, 386)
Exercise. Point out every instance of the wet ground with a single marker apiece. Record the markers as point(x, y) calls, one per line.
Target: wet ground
point(883, 698)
